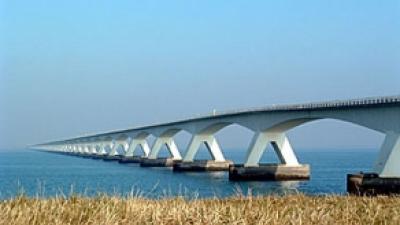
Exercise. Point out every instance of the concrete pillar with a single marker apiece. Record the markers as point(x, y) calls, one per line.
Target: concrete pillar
point(109, 145)
point(280, 144)
point(290, 169)
point(102, 149)
point(118, 143)
point(212, 146)
point(92, 149)
point(385, 179)
point(133, 145)
point(86, 149)
point(388, 162)
point(80, 148)
point(114, 149)
point(98, 150)
point(169, 142)
point(68, 148)
point(218, 162)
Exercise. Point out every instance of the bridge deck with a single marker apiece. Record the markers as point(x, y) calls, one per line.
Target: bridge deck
point(352, 103)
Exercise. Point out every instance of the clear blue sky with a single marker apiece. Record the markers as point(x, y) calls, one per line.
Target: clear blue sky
point(71, 67)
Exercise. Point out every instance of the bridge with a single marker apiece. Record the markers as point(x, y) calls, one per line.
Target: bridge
point(269, 124)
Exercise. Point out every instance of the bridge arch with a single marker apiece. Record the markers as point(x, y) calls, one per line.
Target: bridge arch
point(205, 134)
point(383, 122)
point(134, 140)
point(331, 131)
point(286, 125)
point(169, 132)
point(120, 144)
point(171, 140)
point(214, 127)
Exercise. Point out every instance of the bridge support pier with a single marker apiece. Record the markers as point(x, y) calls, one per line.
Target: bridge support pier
point(113, 155)
point(218, 162)
point(385, 178)
point(73, 150)
point(82, 151)
point(129, 155)
point(289, 169)
point(78, 150)
point(86, 151)
point(269, 172)
point(92, 149)
point(159, 162)
point(100, 152)
point(131, 159)
point(372, 184)
point(154, 161)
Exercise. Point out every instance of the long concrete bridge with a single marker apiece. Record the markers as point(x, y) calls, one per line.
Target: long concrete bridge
point(269, 124)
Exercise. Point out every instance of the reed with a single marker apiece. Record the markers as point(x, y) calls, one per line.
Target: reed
point(288, 209)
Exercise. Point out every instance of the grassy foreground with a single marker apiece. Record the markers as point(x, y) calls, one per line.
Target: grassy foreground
point(290, 209)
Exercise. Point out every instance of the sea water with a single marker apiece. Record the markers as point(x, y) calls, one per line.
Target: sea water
point(44, 174)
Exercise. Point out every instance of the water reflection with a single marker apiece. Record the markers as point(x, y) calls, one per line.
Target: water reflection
point(290, 185)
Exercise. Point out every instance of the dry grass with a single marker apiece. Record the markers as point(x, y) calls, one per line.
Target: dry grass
point(290, 209)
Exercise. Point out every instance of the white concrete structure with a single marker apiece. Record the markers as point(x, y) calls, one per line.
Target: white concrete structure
point(269, 124)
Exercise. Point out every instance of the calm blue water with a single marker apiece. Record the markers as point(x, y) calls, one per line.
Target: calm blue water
point(48, 174)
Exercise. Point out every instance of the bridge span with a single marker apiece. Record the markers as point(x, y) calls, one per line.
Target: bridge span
point(269, 124)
